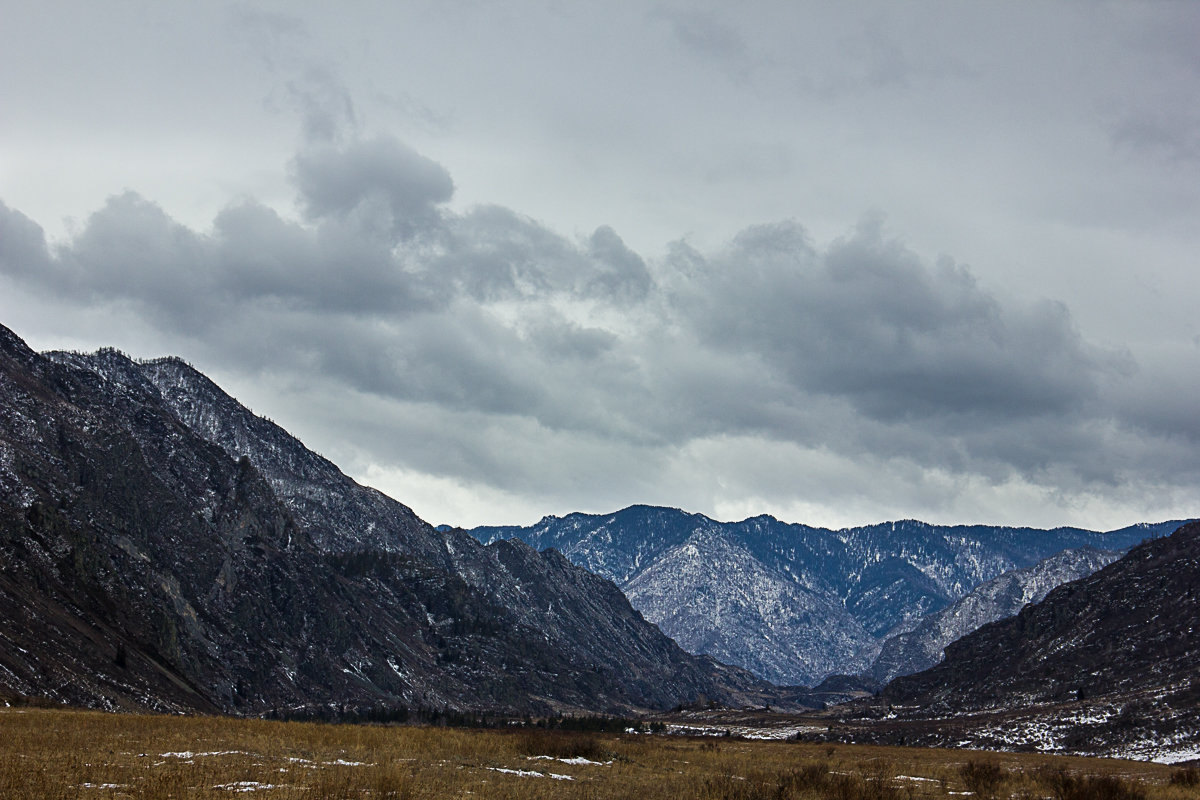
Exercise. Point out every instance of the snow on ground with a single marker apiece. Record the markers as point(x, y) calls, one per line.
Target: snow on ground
point(528, 773)
point(190, 754)
point(764, 732)
point(578, 760)
point(1162, 752)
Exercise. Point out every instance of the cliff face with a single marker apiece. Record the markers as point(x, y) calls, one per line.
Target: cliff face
point(163, 548)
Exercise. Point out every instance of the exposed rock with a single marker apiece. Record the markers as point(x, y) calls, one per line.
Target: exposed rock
point(1105, 665)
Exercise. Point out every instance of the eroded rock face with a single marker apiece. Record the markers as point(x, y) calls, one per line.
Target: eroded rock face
point(163, 548)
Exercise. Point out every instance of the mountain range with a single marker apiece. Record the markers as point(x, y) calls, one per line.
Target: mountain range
point(163, 548)
point(795, 604)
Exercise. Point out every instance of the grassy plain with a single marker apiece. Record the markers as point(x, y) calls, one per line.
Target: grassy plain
point(48, 754)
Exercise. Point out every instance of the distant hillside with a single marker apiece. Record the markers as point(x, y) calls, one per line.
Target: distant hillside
point(790, 602)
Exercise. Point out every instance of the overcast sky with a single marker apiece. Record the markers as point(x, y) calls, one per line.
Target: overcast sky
point(836, 262)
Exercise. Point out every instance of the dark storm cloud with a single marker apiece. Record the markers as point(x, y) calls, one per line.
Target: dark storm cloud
point(1172, 135)
point(578, 350)
point(867, 321)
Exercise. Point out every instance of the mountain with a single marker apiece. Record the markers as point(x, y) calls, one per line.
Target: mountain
point(163, 548)
point(1105, 665)
point(734, 598)
point(1001, 597)
point(790, 602)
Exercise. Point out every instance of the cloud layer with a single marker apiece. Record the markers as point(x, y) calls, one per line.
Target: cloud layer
point(478, 348)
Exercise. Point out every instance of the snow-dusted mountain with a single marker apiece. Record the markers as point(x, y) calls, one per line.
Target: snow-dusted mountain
point(791, 602)
point(734, 598)
point(163, 548)
point(997, 599)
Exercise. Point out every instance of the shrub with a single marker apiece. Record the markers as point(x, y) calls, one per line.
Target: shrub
point(1186, 776)
point(983, 778)
point(1065, 786)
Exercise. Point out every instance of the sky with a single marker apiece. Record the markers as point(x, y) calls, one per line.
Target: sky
point(838, 262)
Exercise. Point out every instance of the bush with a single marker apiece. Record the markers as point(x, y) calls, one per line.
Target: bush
point(1186, 776)
point(803, 780)
point(982, 778)
point(1065, 786)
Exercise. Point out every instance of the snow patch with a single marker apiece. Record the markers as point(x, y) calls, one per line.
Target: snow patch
point(528, 773)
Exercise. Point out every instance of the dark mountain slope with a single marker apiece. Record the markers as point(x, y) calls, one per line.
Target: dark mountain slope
point(1126, 628)
point(340, 514)
point(151, 558)
point(1105, 665)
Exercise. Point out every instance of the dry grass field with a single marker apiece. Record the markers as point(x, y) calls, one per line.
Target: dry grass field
point(52, 754)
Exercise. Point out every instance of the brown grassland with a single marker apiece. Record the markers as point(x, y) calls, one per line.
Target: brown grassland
point(47, 754)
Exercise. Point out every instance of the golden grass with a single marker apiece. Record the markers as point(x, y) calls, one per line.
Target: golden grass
point(57, 754)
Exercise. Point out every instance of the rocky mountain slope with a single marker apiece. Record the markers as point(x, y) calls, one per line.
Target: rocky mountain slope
point(1105, 665)
point(1001, 597)
point(163, 548)
point(795, 603)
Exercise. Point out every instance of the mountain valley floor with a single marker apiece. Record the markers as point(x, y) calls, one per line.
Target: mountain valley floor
point(53, 754)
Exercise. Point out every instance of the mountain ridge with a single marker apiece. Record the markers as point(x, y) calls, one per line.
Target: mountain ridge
point(146, 566)
point(872, 581)
point(914, 650)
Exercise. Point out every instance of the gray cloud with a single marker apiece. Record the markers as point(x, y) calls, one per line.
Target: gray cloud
point(369, 178)
point(1172, 135)
point(496, 350)
point(622, 272)
point(23, 252)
